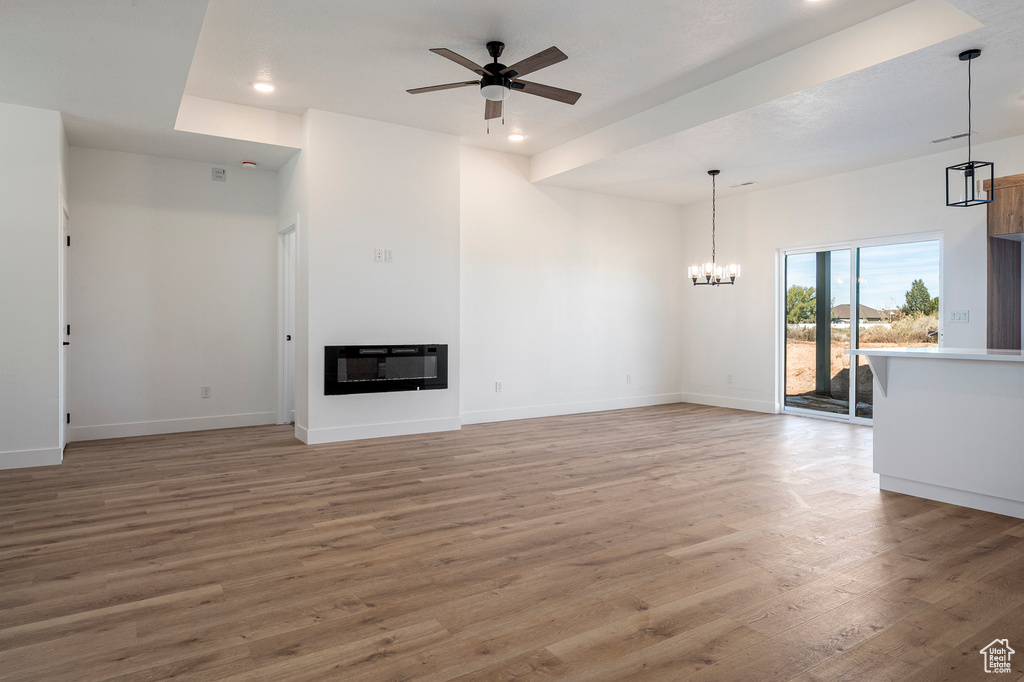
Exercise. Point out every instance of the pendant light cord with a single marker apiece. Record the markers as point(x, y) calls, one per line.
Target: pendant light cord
point(713, 192)
point(970, 109)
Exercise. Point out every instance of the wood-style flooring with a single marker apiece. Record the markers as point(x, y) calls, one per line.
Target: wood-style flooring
point(668, 543)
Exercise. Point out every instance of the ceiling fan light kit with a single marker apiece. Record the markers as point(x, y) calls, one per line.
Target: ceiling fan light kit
point(971, 183)
point(497, 81)
point(495, 85)
point(712, 273)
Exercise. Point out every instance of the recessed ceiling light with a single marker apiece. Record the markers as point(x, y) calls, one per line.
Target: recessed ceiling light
point(264, 87)
point(517, 137)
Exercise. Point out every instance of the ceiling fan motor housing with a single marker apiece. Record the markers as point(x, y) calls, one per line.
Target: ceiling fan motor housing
point(495, 85)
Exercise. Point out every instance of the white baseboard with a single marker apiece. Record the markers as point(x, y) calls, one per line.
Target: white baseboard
point(361, 431)
point(534, 411)
point(733, 403)
point(152, 428)
point(302, 433)
point(961, 498)
point(21, 459)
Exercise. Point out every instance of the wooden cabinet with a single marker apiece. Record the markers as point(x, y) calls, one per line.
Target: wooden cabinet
point(1005, 232)
point(1006, 213)
point(1004, 293)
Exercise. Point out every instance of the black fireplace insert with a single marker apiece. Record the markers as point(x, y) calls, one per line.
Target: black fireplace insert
point(381, 369)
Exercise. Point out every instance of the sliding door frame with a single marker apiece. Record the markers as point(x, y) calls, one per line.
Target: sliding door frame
point(853, 246)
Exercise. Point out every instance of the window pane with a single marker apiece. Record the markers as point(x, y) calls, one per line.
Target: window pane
point(817, 367)
point(898, 288)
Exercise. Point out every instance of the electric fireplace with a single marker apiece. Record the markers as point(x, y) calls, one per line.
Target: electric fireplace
point(381, 369)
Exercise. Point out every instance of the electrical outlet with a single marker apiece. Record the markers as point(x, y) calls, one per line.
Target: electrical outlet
point(497, 387)
point(728, 378)
point(204, 391)
point(629, 378)
point(378, 255)
point(389, 256)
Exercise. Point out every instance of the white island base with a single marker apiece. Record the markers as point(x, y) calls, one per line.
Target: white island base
point(949, 425)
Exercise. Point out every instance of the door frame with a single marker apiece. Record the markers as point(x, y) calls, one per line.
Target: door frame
point(63, 319)
point(287, 251)
point(854, 246)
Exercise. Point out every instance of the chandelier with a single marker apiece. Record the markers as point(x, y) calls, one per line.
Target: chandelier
point(712, 273)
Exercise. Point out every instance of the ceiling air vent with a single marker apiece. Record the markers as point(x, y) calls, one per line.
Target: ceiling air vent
point(742, 184)
point(951, 137)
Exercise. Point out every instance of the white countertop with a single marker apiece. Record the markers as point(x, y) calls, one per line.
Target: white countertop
point(942, 353)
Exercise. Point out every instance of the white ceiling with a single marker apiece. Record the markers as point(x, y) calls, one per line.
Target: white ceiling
point(882, 114)
point(359, 58)
point(118, 69)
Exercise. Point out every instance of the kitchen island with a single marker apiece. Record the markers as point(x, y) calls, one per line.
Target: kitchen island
point(949, 425)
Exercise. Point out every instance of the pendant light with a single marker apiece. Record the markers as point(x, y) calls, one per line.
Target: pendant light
point(971, 183)
point(712, 273)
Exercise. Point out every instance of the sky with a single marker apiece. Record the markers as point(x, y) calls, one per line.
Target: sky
point(886, 272)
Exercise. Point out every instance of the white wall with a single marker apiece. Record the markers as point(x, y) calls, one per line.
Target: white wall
point(732, 329)
point(564, 293)
point(173, 287)
point(377, 185)
point(30, 180)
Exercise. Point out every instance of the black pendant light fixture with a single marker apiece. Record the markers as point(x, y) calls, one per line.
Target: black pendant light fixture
point(971, 183)
point(712, 273)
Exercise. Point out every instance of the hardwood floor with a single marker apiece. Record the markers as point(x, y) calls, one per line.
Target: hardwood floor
point(669, 543)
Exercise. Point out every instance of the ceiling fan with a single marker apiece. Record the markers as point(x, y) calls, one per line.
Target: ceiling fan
point(497, 80)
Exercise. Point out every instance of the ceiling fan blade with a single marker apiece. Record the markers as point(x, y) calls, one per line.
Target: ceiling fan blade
point(492, 109)
point(550, 56)
point(557, 94)
point(458, 59)
point(448, 86)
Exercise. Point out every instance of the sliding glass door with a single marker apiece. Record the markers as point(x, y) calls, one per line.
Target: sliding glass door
point(875, 295)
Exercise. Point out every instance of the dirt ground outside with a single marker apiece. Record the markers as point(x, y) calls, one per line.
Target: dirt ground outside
point(801, 362)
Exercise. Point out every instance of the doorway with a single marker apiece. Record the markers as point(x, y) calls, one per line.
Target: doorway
point(286, 257)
